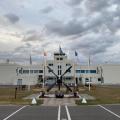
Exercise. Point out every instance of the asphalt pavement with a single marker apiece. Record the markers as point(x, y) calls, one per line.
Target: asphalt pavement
point(61, 112)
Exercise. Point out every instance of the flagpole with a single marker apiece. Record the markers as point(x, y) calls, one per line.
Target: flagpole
point(43, 68)
point(44, 65)
point(29, 71)
point(76, 55)
point(89, 71)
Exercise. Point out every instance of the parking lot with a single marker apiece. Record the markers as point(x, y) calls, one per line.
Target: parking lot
point(96, 112)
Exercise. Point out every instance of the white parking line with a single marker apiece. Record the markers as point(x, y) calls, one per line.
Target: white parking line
point(14, 113)
point(109, 111)
point(59, 108)
point(68, 114)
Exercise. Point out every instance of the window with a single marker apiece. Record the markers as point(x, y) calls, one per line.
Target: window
point(50, 64)
point(60, 72)
point(61, 58)
point(68, 64)
point(92, 71)
point(19, 82)
point(31, 71)
point(36, 71)
point(21, 71)
point(26, 71)
point(99, 79)
point(59, 66)
point(78, 71)
point(49, 71)
point(82, 71)
point(87, 71)
point(40, 71)
point(68, 78)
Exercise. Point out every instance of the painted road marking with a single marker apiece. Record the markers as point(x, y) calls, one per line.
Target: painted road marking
point(109, 111)
point(68, 114)
point(14, 113)
point(59, 110)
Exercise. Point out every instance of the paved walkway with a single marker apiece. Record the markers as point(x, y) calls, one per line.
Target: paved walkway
point(52, 101)
point(59, 101)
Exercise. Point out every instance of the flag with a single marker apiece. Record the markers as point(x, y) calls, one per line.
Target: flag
point(30, 60)
point(76, 54)
point(60, 50)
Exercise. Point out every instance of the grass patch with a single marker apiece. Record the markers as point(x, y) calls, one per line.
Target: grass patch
point(7, 96)
point(103, 95)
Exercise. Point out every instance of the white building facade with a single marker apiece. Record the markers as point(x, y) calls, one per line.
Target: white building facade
point(14, 74)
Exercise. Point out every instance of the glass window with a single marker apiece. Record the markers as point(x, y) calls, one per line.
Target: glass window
point(36, 71)
point(19, 82)
point(87, 71)
point(31, 71)
point(61, 58)
point(78, 71)
point(25, 71)
point(40, 71)
point(20, 71)
point(59, 66)
point(68, 64)
point(99, 79)
point(68, 78)
point(92, 71)
point(60, 72)
point(49, 71)
point(50, 64)
point(82, 71)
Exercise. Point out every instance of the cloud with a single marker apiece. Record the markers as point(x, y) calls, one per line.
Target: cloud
point(96, 5)
point(88, 26)
point(12, 18)
point(65, 29)
point(93, 19)
point(46, 10)
point(33, 35)
point(94, 43)
point(73, 2)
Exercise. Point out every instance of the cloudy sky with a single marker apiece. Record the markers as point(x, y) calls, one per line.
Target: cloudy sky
point(90, 27)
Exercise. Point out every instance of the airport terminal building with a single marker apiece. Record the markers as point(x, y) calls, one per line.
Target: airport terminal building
point(15, 74)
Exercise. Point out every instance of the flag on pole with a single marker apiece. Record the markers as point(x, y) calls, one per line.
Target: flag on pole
point(76, 54)
point(60, 50)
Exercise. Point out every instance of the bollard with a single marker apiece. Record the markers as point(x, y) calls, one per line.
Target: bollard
point(15, 92)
